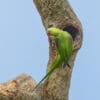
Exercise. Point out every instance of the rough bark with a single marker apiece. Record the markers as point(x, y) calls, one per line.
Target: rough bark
point(58, 13)
point(54, 13)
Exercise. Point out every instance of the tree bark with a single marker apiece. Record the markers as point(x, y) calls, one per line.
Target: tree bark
point(54, 13)
point(58, 13)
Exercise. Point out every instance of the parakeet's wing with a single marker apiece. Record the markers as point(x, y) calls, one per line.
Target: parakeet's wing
point(64, 46)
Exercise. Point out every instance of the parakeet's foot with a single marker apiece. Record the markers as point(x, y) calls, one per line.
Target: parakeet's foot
point(68, 65)
point(64, 65)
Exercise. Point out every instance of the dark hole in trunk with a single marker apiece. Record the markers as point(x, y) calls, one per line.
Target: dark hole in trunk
point(72, 30)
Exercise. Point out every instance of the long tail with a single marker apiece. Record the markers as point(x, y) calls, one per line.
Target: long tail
point(56, 64)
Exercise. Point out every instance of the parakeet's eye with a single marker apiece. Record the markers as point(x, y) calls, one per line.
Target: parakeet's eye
point(72, 30)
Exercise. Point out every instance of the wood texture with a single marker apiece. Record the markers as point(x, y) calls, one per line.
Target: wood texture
point(54, 13)
point(58, 13)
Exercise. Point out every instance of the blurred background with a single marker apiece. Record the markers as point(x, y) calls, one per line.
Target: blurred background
point(24, 46)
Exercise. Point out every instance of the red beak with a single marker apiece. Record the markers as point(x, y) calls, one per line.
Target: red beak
point(48, 33)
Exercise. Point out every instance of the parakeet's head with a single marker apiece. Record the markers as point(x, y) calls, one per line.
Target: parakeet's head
point(53, 31)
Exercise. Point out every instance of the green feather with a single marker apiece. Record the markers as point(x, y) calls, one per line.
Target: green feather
point(64, 45)
point(55, 64)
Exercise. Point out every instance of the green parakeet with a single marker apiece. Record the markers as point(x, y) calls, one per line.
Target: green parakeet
point(64, 44)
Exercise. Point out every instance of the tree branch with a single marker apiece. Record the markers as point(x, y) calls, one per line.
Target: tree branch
point(54, 13)
point(58, 13)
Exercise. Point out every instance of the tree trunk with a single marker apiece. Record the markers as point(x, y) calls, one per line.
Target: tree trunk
point(54, 13)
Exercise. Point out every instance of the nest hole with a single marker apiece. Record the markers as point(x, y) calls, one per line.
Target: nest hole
point(72, 30)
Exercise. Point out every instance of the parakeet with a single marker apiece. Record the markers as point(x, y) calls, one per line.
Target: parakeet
point(64, 44)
